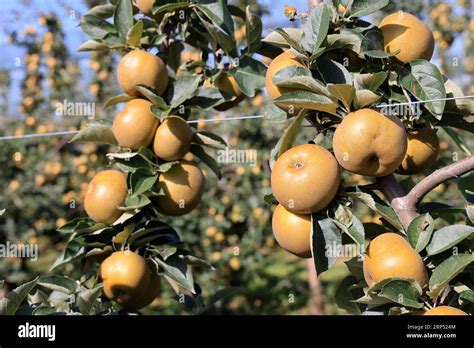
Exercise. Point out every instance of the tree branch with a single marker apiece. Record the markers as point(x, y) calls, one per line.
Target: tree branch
point(406, 205)
point(395, 195)
point(439, 176)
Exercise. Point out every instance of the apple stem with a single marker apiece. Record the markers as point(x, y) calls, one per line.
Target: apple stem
point(404, 204)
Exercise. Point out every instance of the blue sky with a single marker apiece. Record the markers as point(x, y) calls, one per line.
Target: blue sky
point(70, 11)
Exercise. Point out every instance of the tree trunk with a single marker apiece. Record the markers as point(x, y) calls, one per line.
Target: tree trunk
point(316, 302)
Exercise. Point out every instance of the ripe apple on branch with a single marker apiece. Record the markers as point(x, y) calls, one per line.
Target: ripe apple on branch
point(349, 79)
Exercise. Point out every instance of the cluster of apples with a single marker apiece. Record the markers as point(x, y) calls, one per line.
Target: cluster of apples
point(306, 178)
point(127, 278)
point(135, 127)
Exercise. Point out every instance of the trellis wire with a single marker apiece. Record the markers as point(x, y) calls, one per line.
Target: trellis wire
point(224, 119)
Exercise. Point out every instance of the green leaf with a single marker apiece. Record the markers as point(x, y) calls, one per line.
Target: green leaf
point(402, 291)
point(349, 224)
point(161, 6)
point(134, 35)
point(226, 42)
point(123, 17)
point(325, 237)
point(73, 250)
point(87, 298)
point(164, 250)
point(371, 82)
point(447, 237)
point(458, 139)
point(419, 232)
point(355, 267)
point(82, 226)
point(346, 39)
point(96, 27)
point(347, 293)
point(122, 98)
point(115, 41)
point(174, 54)
point(333, 72)
point(205, 98)
point(274, 114)
point(97, 132)
point(288, 138)
point(59, 283)
point(197, 262)
point(199, 152)
point(344, 93)
point(92, 45)
point(364, 97)
point(424, 81)
point(299, 78)
point(250, 75)
point(10, 303)
point(467, 295)
point(177, 270)
point(218, 13)
point(372, 44)
point(362, 8)
point(307, 100)
point(163, 168)
point(281, 76)
point(315, 27)
point(466, 186)
point(142, 180)
point(377, 205)
point(253, 26)
point(102, 11)
point(356, 231)
point(459, 107)
point(446, 271)
point(183, 89)
point(209, 139)
point(136, 202)
point(290, 37)
point(155, 232)
point(150, 94)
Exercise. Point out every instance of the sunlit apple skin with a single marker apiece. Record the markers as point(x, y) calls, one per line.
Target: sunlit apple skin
point(135, 125)
point(405, 32)
point(105, 194)
point(183, 186)
point(444, 310)
point(389, 255)
point(292, 231)
point(369, 143)
point(422, 151)
point(172, 139)
point(305, 178)
point(142, 68)
point(126, 277)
